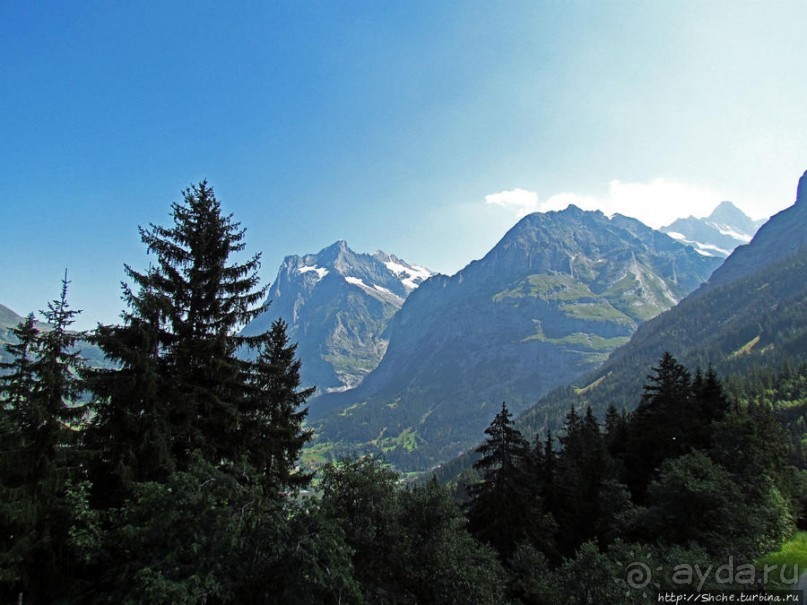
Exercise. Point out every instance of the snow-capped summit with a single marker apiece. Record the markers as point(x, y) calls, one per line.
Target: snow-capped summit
point(411, 276)
point(718, 234)
point(337, 304)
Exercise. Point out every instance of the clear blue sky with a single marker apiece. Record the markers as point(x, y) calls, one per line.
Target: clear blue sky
point(382, 123)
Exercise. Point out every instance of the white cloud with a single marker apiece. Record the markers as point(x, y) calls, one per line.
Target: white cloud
point(522, 201)
point(660, 202)
point(657, 203)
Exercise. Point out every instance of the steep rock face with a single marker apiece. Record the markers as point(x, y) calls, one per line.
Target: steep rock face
point(337, 304)
point(751, 312)
point(716, 235)
point(558, 293)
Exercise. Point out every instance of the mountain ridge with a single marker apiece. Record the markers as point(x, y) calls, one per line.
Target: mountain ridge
point(718, 234)
point(337, 304)
point(547, 303)
point(752, 311)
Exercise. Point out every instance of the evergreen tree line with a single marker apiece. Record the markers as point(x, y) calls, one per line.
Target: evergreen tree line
point(689, 476)
point(171, 475)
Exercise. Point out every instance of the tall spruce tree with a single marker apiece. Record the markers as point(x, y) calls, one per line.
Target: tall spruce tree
point(179, 386)
point(501, 507)
point(662, 424)
point(40, 394)
point(180, 416)
point(273, 414)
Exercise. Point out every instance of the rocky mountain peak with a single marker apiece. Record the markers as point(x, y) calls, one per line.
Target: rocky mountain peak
point(338, 257)
point(717, 234)
point(337, 304)
point(782, 236)
point(727, 213)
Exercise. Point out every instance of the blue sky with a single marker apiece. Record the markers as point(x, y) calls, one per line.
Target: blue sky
point(386, 124)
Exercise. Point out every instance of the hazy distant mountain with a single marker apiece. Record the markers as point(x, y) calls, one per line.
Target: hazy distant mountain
point(718, 234)
point(555, 296)
point(10, 319)
point(338, 304)
point(751, 312)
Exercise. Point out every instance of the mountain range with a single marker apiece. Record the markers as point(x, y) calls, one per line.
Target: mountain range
point(751, 313)
point(717, 234)
point(337, 304)
point(412, 365)
point(547, 304)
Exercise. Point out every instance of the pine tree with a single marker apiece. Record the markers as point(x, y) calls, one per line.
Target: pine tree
point(584, 468)
point(711, 404)
point(661, 427)
point(41, 417)
point(549, 459)
point(501, 511)
point(209, 297)
point(17, 376)
point(179, 386)
point(273, 414)
point(17, 418)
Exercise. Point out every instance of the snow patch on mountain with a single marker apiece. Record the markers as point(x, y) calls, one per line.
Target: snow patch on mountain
point(411, 276)
point(717, 234)
point(727, 230)
point(320, 271)
point(355, 281)
point(340, 325)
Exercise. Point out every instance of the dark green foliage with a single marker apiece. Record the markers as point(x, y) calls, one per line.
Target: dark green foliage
point(178, 387)
point(589, 577)
point(41, 454)
point(272, 414)
point(696, 500)
point(504, 509)
point(712, 480)
point(440, 560)
point(172, 541)
point(131, 433)
point(675, 416)
point(531, 577)
point(581, 481)
point(360, 495)
point(205, 535)
point(660, 426)
point(408, 546)
point(314, 563)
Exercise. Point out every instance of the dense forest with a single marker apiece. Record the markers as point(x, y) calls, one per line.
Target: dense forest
point(171, 475)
